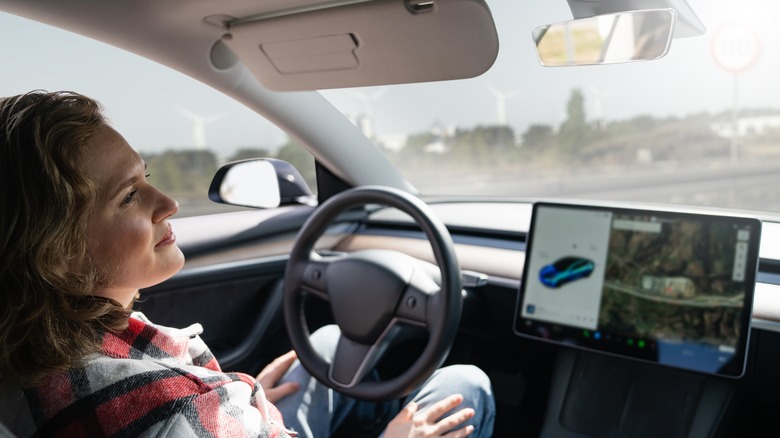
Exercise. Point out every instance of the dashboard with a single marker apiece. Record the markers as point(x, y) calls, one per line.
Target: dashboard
point(491, 242)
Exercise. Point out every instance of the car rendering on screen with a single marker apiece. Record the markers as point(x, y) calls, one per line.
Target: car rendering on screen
point(336, 160)
point(565, 270)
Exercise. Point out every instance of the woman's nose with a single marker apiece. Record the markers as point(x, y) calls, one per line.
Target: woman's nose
point(166, 206)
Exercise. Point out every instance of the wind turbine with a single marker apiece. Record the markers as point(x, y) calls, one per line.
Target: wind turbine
point(199, 125)
point(370, 99)
point(501, 98)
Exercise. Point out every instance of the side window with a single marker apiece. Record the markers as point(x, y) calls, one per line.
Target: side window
point(183, 129)
point(185, 173)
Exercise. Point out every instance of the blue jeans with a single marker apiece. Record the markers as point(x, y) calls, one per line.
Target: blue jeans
point(317, 411)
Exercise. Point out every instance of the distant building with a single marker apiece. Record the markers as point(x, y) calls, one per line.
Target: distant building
point(393, 142)
point(437, 147)
point(746, 126)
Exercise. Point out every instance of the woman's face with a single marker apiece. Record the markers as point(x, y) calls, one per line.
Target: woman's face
point(128, 233)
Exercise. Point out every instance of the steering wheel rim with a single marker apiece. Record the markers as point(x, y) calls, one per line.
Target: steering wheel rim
point(437, 311)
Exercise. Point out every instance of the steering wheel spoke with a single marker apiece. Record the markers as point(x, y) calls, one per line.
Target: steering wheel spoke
point(314, 275)
point(413, 307)
point(352, 362)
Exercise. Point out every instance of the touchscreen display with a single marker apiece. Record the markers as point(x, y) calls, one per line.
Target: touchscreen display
point(666, 287)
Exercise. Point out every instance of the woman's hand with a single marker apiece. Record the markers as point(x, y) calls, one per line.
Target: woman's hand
point(270, 375)
point(412, 424)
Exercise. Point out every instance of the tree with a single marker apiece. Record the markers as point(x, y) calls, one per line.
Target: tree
point(538, 137)
point(483, 145)
point(182, 172)
point(247, 153)
point(414, 153)
point(575, 108)
point(574, 131)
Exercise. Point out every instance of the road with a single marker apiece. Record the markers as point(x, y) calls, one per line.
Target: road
point(754, 186)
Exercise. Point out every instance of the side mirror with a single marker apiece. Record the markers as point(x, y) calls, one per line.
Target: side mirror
point(260, 183)
point(606, 39)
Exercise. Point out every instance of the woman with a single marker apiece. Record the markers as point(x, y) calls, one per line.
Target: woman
point(82, 232)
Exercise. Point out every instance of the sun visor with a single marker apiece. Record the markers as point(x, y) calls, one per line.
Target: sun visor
point(376, 42)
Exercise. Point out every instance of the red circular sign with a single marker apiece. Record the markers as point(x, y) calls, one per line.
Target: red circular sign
point(735, 48)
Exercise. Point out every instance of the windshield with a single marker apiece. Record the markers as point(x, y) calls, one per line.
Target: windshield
point(699, 126)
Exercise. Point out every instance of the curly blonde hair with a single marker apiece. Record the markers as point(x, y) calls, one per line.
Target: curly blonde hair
point(50, 318)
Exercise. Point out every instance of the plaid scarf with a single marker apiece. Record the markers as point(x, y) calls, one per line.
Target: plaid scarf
point(148, 380)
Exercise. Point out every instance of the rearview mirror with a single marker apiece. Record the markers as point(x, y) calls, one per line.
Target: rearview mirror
point(606, 39)
point(260, 183)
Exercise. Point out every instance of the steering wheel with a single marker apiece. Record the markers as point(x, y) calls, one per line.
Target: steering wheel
point(373, 294)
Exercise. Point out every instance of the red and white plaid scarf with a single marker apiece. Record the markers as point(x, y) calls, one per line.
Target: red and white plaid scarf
point(147, 381)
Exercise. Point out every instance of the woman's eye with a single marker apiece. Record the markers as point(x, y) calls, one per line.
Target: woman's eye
point(147, 175)
point(130, 197)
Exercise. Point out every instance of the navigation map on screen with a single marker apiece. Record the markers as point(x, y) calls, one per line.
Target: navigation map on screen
point(671, 288)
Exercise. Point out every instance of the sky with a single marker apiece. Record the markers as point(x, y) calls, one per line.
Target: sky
point(145, 101)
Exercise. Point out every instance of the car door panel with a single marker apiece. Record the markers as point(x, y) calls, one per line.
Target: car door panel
point(238, 305)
